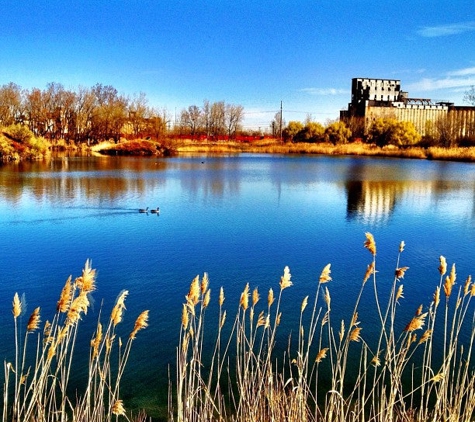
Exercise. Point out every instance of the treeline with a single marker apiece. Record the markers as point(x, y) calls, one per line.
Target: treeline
point(100, 113)
point(85, 115)
point(448, 132)
point(211, 120)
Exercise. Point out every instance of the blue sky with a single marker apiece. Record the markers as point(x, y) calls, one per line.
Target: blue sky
point(253, 53)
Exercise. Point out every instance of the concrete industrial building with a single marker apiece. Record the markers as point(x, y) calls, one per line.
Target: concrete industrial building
point(383, 98)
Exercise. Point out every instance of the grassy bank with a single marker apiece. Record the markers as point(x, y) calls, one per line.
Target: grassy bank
point(277, 147)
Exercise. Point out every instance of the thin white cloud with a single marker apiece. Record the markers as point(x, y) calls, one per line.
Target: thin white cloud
point(445, 30)
point(462, 72)
point(455, 80)
point(325, 91)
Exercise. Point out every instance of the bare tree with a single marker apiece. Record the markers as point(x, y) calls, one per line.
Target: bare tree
point(137, 112)
point(10, 104)
point(469, 96)
point(233, 117)
point(218, 118)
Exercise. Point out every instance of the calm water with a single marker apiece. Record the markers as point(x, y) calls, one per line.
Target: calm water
point(239, 218)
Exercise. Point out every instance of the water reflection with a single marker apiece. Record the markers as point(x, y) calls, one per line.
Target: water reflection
point(373, 188)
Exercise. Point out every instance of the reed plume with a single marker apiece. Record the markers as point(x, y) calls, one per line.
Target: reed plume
point(370, 244)
point(16, 306)
point(34, 320)
point(140, 323)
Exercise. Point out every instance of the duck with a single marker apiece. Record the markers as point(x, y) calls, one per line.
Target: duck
point(143, 210)
point(157, 211)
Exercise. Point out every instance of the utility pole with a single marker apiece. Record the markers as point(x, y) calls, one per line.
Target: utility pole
point(280, 121)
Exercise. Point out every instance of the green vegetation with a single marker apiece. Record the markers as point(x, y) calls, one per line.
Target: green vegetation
point(36, 383)
point(415, 368)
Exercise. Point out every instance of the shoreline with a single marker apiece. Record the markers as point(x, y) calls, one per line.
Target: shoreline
point(463, 154)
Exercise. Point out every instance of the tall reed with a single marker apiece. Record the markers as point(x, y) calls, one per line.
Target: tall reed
point(330, 372)
point(36, 383)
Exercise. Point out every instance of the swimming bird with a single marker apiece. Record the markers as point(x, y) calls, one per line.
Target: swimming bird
point(143, 210)
point(157, 211)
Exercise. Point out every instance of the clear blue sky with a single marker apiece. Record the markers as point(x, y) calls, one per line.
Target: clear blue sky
point(254, 53)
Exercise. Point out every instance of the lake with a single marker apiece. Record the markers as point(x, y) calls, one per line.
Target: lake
point(240, 218)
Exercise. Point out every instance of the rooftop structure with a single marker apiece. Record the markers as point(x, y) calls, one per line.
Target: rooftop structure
point(384, 98)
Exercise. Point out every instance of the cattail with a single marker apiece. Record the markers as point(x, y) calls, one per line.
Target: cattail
point(425, 336)
point(204, 283)
point(65, 297)
point(33, 321)
point(443, 265)
point(221, 296)
point(355, 334)
point(270, 297)
point(327, 297)
point(399, 293)
point(285, 279)
point(369, 271)
point(140, 323)
point(16, 306)
point(401, 246)
point(370, 244)
point(416, 323)
point(322, 354)
point(325, 275)
point(87, 281)
point(304, 304)
point(244, 302)
point(255, 296)
point(96, 341)
point(184, 317)
point(118, 408)
point(466, 287)
point(193, 296)
point(400, 272)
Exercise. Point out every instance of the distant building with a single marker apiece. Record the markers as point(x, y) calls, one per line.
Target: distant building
point(380, 98)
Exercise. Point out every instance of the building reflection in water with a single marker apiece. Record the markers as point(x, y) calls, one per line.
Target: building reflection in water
point(371, 202)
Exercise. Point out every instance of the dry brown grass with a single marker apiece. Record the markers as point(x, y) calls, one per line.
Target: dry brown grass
point(331, 370)
point(36, 383)
point(278, 147)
